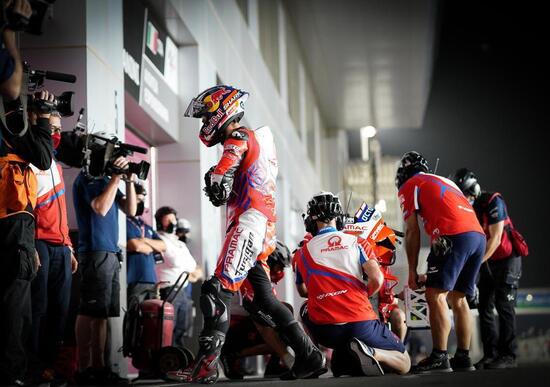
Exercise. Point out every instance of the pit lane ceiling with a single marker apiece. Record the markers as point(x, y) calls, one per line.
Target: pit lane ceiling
point(370, 61)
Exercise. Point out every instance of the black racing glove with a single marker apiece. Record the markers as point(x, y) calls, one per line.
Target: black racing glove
point(218, 192)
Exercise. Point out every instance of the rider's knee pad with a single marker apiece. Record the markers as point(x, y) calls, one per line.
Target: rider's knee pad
point(214, 302)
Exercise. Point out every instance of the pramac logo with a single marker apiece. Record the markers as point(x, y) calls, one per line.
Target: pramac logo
point(334, 243)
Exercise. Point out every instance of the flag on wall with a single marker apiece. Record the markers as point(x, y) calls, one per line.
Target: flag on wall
point(152, 38)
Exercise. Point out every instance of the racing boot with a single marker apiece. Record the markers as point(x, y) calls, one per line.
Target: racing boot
point(310, 361)
point(205, 367)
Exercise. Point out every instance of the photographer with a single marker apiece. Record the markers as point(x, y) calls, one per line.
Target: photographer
point(96, 202)
point(11, 67)
point(19, 260)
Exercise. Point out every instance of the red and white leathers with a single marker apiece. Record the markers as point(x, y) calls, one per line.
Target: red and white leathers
point(249, 156)
point(387, 302)
point(51, 209)
point(330, 265)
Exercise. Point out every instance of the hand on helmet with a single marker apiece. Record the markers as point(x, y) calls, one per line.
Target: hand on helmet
point(218, 189)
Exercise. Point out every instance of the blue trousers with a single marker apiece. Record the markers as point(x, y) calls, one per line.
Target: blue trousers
point(50, 296)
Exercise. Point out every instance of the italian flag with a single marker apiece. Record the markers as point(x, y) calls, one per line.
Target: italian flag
point(152, 38)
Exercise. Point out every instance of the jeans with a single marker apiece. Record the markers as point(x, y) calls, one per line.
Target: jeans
point(50, 297)
point(498, 285)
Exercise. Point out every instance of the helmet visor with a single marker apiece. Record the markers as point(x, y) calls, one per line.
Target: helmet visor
point(195, 109)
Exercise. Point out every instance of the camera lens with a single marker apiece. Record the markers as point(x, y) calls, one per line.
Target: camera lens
point(64, 104)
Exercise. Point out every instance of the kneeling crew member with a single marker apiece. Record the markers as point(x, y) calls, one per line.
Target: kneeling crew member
point(329, 271)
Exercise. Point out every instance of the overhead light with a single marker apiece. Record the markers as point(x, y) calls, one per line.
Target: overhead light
point(368, 131)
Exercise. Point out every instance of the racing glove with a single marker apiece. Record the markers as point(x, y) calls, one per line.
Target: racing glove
point(218, 187)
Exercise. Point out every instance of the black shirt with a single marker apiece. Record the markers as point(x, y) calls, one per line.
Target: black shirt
point(35, 146)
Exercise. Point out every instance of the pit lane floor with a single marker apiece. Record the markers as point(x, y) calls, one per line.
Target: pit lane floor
point(532, 375)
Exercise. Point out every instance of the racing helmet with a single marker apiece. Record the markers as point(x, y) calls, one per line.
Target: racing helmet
point(411, 163)
point(466, 180)
point(280, 255)
point(323, 207)
point(218, 106)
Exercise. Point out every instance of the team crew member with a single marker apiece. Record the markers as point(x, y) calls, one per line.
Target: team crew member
point(329, 272)
point(388, 306)
point(51, 289)
point(457, 247)
point(142, 243)
point(96, 203)
point(176, 259)
point(498, 277)
point(244, 179)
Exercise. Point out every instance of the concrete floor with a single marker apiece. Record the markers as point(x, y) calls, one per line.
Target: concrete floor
point(524, 376)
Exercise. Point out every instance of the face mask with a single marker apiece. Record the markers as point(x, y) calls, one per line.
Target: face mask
point(171, 228)
point(140, 208)
point(56, 140)
point(471, 201)
point(183, 238)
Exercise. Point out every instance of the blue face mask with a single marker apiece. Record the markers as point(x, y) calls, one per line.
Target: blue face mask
point(471, 201)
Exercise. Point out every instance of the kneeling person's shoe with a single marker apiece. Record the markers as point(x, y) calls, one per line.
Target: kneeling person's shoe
point(364, 355)
point(433, 364)
point(462, 363)
point(502, 362)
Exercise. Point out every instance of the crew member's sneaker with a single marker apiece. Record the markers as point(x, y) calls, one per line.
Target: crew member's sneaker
point(204, 370)
point(480, 365)
point(462, 363)
point(433, 364)
point(364, 355)
point(501, 362)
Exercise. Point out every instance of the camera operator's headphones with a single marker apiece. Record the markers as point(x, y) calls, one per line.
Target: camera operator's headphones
point(323, 207)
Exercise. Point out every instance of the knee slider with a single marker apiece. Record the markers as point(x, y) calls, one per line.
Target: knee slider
point(212, 305)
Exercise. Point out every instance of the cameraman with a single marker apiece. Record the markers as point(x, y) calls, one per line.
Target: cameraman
point(19, 260)
point(51, 289)
point(11, 66)
point(96, 202)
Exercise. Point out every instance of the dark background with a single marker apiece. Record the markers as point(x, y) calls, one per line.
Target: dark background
point(487, 111)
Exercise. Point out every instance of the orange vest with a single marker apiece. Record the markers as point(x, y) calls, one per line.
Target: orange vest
point(18, 186)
